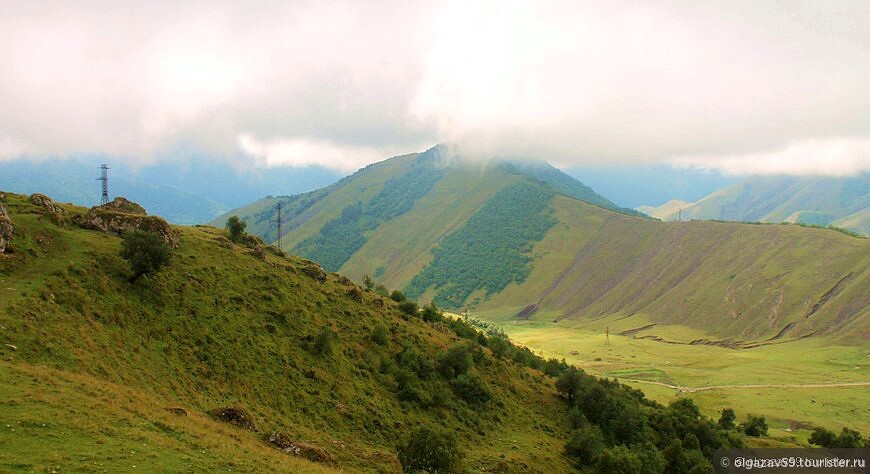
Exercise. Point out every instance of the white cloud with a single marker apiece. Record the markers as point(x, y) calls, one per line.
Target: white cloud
point(571, 82)
point(834, 157)
point(306, 152)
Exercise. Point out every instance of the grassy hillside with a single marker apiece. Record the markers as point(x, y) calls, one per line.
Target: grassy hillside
point(841, 202)
point(92, 363)
point(733, 283)
point(230, 349)
point(465, 238)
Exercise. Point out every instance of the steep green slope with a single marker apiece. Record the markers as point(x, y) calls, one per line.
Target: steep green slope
point(332, 224)
point(498, 239)
point(730, 282)
point(93, 363)
point(811, 200)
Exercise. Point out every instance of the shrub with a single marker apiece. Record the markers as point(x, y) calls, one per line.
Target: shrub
point(397, 296)
point(455, 362)
point(619, 460)
point(147, 252)
point(431, 313)
point(828, 439)
point(471, 389)
point(570, 383)
point(584, 444)
point(236, 227)
point(428, 450)
point(755, 426)
point(380, 334)
point(726, 421)
point(408, 307)
point(323, 344)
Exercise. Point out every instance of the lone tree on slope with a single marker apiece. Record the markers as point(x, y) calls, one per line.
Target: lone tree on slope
point(147, 252)
point(236, 227)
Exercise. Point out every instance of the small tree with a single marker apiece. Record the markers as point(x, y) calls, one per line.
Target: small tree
point(368, 282)
point(726, 421)
point(236, 227)
point(147, 252)
point(755, 426)
point(570, 383)
point(427, 450)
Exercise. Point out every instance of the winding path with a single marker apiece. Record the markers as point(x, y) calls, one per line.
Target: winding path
point(715, 387)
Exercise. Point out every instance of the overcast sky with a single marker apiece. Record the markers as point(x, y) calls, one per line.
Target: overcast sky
point(741, 86)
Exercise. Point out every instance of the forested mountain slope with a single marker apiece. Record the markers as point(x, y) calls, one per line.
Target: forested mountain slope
point(514, 243)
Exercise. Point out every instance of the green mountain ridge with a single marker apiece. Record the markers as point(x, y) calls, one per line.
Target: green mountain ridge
point(550, 256)
point(101, 373)
point(840, 202)
point(241, 358)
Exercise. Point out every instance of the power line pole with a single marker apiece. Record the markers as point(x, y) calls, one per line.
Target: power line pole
point(680, 215)
point(278, 221)
point(104, 177)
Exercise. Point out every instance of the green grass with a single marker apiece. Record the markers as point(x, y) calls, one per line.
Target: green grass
point(103, 358)
point(809, 361)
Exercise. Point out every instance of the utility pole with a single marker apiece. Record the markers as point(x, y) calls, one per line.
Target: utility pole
point(680, 215)
point(607, 336)
point(104, 177)
point(278, 221)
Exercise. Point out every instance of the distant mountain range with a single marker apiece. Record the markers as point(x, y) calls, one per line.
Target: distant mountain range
point(189, 192)
point(841, 202)
point(530, 242)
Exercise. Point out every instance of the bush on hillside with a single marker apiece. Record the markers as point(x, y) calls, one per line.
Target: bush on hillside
point(726, 421)
point(455, 362)
point(471, 389)
point(380, 334)
point(755, 426)
point(428, 450)
point(828, 439)
point(236, 227)
point(147, 252)
point(323, 344)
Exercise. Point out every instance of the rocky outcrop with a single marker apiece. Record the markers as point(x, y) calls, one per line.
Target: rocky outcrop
point(53, 210)
point(48, 205)
point(121, 204)
point(6, 230)
point(234, 416)
point(302, 449)
point(121, 216)
point(315, 271)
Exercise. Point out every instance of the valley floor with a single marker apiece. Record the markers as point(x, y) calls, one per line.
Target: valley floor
point(796, 385)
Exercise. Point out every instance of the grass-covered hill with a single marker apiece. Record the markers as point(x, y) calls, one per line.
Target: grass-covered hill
point(510, 243)
point(237, 357)
point(823, 201)
point(95, 368)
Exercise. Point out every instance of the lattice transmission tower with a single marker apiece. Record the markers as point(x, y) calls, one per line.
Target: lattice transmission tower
point(278, 221)
point(104, 177)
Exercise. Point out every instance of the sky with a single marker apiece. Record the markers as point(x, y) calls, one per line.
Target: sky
point(736, 86)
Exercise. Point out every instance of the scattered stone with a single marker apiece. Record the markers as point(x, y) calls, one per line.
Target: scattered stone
point(7, 230)
point(177, 411)
point(355, 294)
point(341, 408)
point(13, 347)
point(315, 271)
point(234, 416)
point(259, 251)
point(302, 449)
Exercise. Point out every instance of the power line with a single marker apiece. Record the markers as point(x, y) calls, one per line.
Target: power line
point(278, 221)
